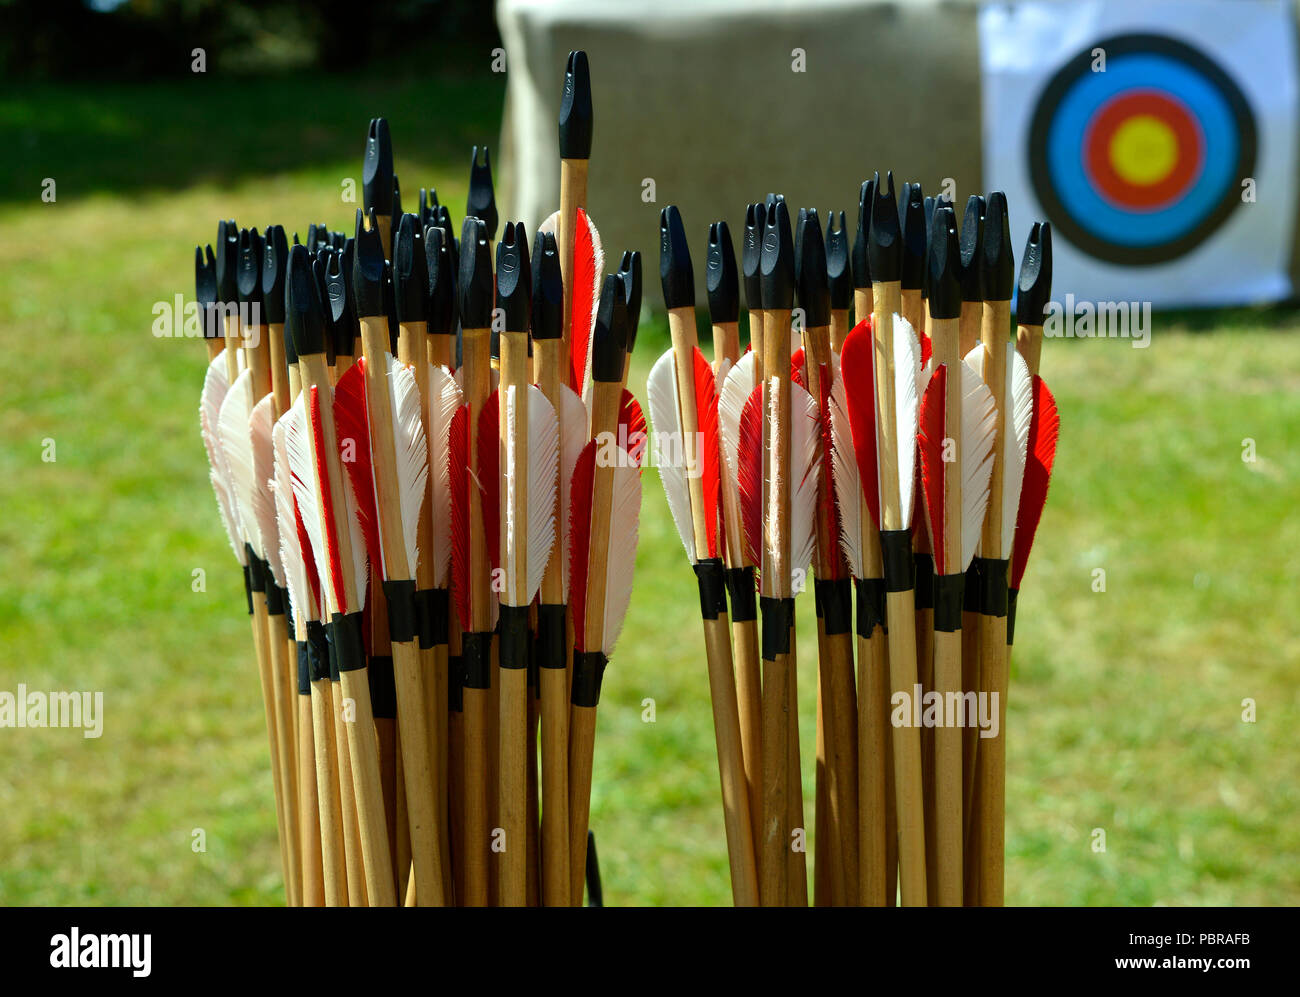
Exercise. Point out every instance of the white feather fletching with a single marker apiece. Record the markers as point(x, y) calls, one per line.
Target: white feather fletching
point(907, 362)
point(978, 424)
point(844, 474)
point(292, 556)
point(237, 446)
point(598, 278)
point(215, 387)
point(624, 516)
point(551, 224)
point(543, 457)
point(298, 450)
point(444, 398)
point(737, 386)
point(573, 437)
point(412, 454)
point(260, 424)
point(665, 420)
point(1020, 403)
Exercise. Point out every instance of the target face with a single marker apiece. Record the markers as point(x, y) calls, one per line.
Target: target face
point(1141, 162)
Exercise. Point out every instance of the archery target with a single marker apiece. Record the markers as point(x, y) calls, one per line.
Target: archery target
point(1140, 162)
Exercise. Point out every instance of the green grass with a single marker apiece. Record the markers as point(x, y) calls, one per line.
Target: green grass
point(1125, 706)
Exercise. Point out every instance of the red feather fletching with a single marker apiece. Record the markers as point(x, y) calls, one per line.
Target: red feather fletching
point(632, 435)
point(458, 473)
point(930, 437)
point(1044, 427)
point(583, 285)
point(710, 456)
point(580, 494)
point(352, 427)
point(750, 459)
point(858, 369)
point(796, 368)
point(308, 560)
point(489, 476)
point(826, 486)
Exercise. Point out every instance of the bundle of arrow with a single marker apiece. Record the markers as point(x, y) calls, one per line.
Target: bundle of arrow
point(427, 540)
point(906, 458)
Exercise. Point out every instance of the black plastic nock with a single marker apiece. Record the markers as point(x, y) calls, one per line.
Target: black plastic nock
point(227, 256)
point(410, 271)
point(548, 288)
point(377, 175)
point(331, 299)
point(475, 281)
point(911, 220)
point(249, 277)
point(751, 253)
point(205, 290)
point(777, 264)
point(368, 269)
point(861, 254)
point(721, 277)
point(1035, 287)
point(629, 272)
point(770, 200)
point(275, 254)
point(972, 248)
point(838, 278)
point(318, 237)
point(514, 277)
point(304, 317)
point(397, 203)
point(675, 272)
point(342, 298)
point(609, 338)
point(428, 206)
point(997, 268)
point(885, 242)
point(482, 202)
point(944, 265)
point(442, 281)
point(575, 109)
point(449, 235)
point(814, 284)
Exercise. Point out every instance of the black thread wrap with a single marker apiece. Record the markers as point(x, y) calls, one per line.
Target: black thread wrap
point(383, 687)
point(896, 549)
point(332, 652)
point(256, 570)
point(476, 653)
point(588, 670)
point(402, 625)
point(778, 614)
point(1013, 596)
point(425, 624)
point(993, 586)
point(456, 683)
point(318, 651)
point(949, 591)
point(288, 622)
point(248, 589)
point(513, 627)
point(550, 636)
point(744, 598)
point(923, 564)
point(836, 600)
point(971, 604)
point(871, 605)
point(274, 598)
point(349, 645)
point(712, 578)
point(304, 668)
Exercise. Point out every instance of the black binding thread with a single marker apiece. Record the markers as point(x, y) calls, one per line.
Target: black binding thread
point(712, 579)
point(896, 549)
point(588, 670)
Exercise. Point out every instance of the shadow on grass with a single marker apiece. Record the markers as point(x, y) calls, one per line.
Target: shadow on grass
point(126, 138)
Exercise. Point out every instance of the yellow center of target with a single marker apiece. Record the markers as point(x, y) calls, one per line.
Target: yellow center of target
point(1144, 150)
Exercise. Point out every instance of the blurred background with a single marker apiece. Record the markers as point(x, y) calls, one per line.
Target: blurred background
point(1176, 474)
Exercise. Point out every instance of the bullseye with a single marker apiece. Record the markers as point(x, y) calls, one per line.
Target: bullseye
point(1144, 150)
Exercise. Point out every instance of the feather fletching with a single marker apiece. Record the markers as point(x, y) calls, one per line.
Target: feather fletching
point(412, 455)
point(844, 472)
point(298, 448)
point(573, 437)
point(709, 459)
point(907, 362)
point(352, 431)
point(215, 388)
point(858, 372)
point(1044, 428)
point(978, 425)
point(444, 399)
point(260, 424)
point(588, 272)
point(237, 446)
point(661, 397)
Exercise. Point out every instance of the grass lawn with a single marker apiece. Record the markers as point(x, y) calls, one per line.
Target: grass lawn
point(1125, 712)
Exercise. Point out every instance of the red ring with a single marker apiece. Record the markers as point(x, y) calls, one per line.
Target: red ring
point(1187, 165)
